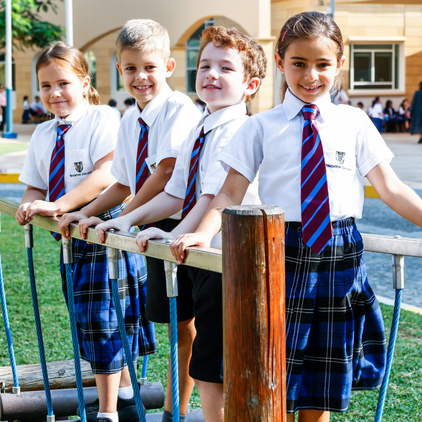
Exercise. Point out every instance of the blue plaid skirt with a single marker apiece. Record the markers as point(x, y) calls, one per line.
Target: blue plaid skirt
point(335, 332)
point(98, 331)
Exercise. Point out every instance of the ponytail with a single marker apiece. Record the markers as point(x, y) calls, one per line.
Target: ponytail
point(93, 97)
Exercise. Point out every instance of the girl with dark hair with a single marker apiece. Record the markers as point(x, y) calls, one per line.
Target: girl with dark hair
point(311, 156)
point(416, 114)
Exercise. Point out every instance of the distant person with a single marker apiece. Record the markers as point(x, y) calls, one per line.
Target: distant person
point(360, 105)
point(390, 116)
point(404, 115)
point(113, 103)
point(26, 116)
point(341, 97)
point(36, 109)
point(200, 105)
point(377, 114)
point(416, 114)
point(129, 102)
point(3, 104)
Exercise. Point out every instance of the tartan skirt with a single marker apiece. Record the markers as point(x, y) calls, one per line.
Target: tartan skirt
point(98, 330)
point(334, 328)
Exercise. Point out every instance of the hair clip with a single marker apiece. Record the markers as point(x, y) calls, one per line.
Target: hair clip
point(282, 39)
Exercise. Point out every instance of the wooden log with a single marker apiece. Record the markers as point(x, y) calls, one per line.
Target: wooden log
point(61, 374)
point(254, 314)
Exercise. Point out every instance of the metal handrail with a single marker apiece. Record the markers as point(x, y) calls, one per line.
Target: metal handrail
point(205, 258)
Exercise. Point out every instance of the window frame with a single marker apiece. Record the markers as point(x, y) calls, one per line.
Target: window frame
point(397, 62)
point(206, 24)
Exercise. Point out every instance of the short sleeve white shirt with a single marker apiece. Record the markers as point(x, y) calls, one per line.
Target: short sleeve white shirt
point(271, 143)
point(91, 137)
point(170, 116)
point(220, 127)
point(377, 111)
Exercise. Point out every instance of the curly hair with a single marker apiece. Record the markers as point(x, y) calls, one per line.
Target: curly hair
point(253, 56)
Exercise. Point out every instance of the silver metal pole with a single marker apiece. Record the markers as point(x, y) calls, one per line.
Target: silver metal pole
point(9, 87)
point(69, 23)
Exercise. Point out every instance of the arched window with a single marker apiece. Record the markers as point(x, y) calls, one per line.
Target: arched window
point(192, 54)
point(3, 71)
point(92, 62)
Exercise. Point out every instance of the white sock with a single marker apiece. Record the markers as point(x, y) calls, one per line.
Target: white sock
point(114, 417)
point(126, 392)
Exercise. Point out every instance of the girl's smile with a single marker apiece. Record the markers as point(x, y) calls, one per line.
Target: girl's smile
point(310, 67)
point(61, 90)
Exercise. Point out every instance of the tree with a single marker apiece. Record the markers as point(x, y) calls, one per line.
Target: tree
point(28, 28)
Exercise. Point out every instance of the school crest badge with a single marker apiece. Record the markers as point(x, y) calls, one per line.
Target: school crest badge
point(340, 156)
point(79, 166)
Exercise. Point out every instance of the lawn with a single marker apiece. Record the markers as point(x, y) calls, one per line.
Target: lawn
point(12, 147)
point(404, 397)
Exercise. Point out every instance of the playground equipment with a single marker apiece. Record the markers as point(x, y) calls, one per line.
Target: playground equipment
point(253, 247)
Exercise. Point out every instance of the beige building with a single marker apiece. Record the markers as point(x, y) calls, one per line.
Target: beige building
point(383, 42)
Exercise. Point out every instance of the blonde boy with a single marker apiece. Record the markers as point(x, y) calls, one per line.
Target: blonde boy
point(230, 69)
point(149, 139)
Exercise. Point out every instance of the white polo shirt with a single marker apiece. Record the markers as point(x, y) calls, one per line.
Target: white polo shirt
point(170, 116)
point(220, 127)
point(271, 143)
point(91, 137)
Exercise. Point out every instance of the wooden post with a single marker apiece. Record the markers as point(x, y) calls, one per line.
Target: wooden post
point(254, 314)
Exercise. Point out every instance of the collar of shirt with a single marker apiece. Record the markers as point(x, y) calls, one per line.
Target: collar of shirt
point(293, 106)
point(73, 117)
point(153, 108)
point(224, 115)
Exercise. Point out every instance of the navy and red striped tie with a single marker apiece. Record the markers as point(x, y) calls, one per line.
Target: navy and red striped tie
point(190, 196)
point(56, 181)
point(141, 156)
point(317, 228)
point(141, 164)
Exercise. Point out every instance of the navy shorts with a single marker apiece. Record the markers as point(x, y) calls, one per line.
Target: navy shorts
point(157, 308)
point(207, 349)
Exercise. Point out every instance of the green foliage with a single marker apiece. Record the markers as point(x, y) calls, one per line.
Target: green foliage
point(28, 28)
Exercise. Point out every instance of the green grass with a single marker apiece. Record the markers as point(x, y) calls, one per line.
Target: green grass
point(404, 396)
point(12, 147)
point(53, 310)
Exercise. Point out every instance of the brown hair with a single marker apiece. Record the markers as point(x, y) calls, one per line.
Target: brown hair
point(253, 56)
point(309, 25)
point(66, 56)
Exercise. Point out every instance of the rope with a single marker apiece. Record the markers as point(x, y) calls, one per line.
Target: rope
point(128, 353)
point(144, 366)
point(390, 352)
point(78, 373)
point(39, 333)
point(7, 328)
point(174, 360)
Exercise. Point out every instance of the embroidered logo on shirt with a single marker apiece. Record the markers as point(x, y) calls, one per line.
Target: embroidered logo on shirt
point(340, 157)
point(79, 166)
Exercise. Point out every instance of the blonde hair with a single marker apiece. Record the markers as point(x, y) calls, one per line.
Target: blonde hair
point(144, 35)
point(66, 56)
point(253, 56)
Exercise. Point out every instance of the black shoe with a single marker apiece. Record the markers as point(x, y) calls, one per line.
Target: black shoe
point(420, 140)
point(126, 409)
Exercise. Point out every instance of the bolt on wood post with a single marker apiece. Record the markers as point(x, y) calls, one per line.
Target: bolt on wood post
point(254, 314)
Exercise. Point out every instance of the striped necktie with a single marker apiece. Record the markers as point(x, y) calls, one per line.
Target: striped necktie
point(190, 196)
point(141, 164)
point(141, 156)
point(316, 221)
point(56, 180)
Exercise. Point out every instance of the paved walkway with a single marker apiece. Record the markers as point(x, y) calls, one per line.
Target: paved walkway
point(407, 161)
